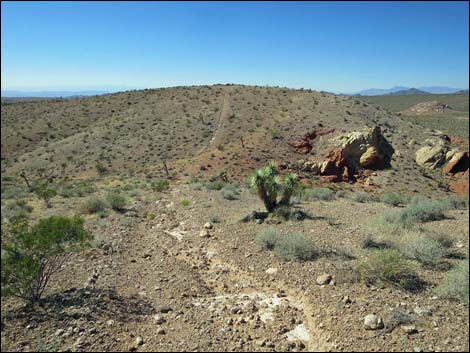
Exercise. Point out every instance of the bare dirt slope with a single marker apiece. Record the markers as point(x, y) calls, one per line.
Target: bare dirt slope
point(161, 281)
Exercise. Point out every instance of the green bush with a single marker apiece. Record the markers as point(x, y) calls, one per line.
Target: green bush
point(295, 247)
point(160, 185)
point(455, 202)
point(32, 255)
point(101, 169)
point(116, 202)
point(185, 202)
point(44, 192)
point(420, 212)
point(267, 238)
point(214, 185)
point(95, 205)
point(456, 284)
point(323, 194)
point(362, 197)
point(230, 192)
point(389, 267)
point(394, 198)
point(17, 209)
point(423, 249)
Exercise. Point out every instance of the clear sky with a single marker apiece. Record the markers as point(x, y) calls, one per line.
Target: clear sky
point(333, 46)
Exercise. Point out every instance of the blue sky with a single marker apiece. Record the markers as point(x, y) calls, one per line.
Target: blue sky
point(337, 46)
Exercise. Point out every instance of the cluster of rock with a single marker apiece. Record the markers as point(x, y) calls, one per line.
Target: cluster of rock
point(438, 153)
point(428, 107)
point(304, 144)
point(351, 153)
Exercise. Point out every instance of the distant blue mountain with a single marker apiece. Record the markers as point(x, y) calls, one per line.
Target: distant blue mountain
point(432, 90)
point(51, 94)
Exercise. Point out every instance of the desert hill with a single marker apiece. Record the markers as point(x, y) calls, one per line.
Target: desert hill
point(198, 131)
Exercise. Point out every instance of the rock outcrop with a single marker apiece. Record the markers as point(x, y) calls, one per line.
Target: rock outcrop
point(350, 153)
point(304, 144)
point(433, 155)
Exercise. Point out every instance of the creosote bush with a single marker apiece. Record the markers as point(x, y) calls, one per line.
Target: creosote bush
point(45, 192)
point(160, 185)
point(295, 247)
point(32, 255)
point(95, 205)
point(116, 202)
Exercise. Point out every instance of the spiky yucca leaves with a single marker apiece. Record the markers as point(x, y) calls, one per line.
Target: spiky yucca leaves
point(267, 183)
point(289, 186)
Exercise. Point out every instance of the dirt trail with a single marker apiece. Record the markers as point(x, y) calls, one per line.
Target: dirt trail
point(198, 257)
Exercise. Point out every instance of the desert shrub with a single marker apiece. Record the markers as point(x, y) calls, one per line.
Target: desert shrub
point(340, 194)
point(31, 255)
point(45, 192)
point(267, 238)
point(230, 192)
point(423, 249)
point(14, 191)
point(185, 202)
point(420, 212)
point(101, 169)
point(151, 216)
point(455, 202)
point(215, 185)
point(78, 190)
point(387, 266)
point(116, 202)
point(160, 185)
point(323, 194)
point(394, 198)
point(456, 284)
point(295, 247)
point(362, 197)
point(18, 208)
point(94, 205)
point(197, 186)
point(215, 218)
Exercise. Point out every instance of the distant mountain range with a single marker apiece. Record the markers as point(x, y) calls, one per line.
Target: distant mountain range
point(409, 91)
point(52, 94)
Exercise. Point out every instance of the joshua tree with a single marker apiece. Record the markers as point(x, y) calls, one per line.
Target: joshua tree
point(268, 184)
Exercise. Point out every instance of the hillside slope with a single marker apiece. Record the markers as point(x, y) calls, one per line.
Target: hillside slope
point(199, 131)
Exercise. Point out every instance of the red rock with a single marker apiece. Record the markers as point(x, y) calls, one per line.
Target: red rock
point(458, 164)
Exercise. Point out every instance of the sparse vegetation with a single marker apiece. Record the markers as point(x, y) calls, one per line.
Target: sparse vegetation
point(421, 248)
point(456, 284)
point(295, 247)
point(394, 198)
point(323, 194)
point(389, 267)
point(160, 185)
point(116, 202)
point(267, 238)
point(95, 205)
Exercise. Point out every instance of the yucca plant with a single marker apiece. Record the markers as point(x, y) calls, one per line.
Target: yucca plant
point(289, 187)
point(267, 183)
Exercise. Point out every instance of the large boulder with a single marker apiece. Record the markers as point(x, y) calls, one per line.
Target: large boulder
point(369, 145)
point(433, 155)
point(458, 163)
